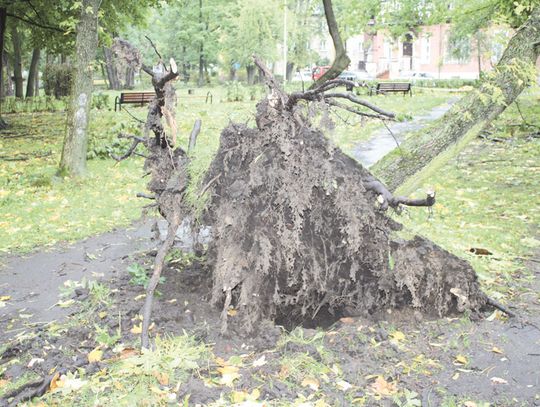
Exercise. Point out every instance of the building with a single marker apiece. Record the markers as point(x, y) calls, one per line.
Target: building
point(431, 52)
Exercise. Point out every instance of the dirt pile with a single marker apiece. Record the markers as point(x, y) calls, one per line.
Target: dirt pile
point(298, 238)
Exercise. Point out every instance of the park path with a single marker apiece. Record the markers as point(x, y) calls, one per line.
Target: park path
point(33, 282)
point(382, 141)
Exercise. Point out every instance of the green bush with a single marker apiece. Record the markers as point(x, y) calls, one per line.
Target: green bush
point(100, 101)
point(107, 143)
point(57, 80)
point(445, 83)
point(236, 92)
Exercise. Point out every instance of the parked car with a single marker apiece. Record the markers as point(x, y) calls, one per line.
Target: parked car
point(319, 71)
point(355, 76)
point(414, 76)
point(302, 76)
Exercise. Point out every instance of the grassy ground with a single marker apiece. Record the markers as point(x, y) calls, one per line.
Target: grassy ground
point(39, 209)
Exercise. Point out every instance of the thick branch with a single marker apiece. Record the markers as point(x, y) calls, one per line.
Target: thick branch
point(341, 61)
point(373, 184)
point(193, 136)
point(35, 23)
point(131, 150)
point(351, 109)
point(354, 99)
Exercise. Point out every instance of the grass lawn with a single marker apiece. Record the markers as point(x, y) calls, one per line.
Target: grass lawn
point(39, 209)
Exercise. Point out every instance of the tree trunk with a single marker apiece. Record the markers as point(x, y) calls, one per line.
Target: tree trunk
point(467, 117)
point(290, 70)
point(110, 67)
point(200, 81)
point(2, 36)
point(36, 83)
point(73, 161)
point(8, 83)
point(130, 78)
point(17, 61)
point(250, 71)
point(33, 73)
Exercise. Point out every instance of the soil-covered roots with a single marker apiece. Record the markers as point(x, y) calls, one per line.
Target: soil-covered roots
point(298, 236)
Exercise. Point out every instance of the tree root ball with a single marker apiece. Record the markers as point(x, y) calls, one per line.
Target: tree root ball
point(298, 239)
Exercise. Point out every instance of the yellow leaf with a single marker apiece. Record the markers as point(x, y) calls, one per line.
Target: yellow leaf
point(455, 376)
point(384, 388)
point(102, 314)
point(259, 362)
point(496, 350)
point(238, 396)
point(137, 329)
point(228, 375)
point(232, 312)
point(398, 336)
point(311, 382)
point(5, 297)
point(3, 383)
point(460, 360)
point(95, 355)
point(55, 382)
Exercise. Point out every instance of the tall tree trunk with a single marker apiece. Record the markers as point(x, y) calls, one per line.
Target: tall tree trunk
point(3, 16)
point(36, 83)
point(467, 117)
point(17, 61)
point(33, 73)
point(8, 89)
point(290, 70)
point(200, 80)
point(110, 67)
point(130, 78)
point(73, 161)
point(250, 71)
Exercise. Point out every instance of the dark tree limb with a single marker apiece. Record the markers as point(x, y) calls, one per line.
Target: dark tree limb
point(500, 307)
point(389, 200)
point(159, 261)
point(136, 141)
point(154, 46)
point(341, 60)
point(355, 111)
point(361, 102)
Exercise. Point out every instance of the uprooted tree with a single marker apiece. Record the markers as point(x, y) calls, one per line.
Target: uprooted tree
point(300, 231)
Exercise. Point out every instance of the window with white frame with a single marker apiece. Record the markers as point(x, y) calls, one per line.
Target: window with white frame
point(425, 52)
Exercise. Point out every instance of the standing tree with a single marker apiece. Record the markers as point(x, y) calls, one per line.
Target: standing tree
point(73, 161)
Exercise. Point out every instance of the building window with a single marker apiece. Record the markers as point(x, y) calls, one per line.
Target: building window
point(458, 50)
point(408, 46)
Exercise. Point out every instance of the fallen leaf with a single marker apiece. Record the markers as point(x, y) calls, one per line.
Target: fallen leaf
point(497, 350)
point(470, 404)
point(232, 312)
point(343, 385)
point(5, 297)
point(3, 383)
point(398, 336)
point(498, 380)
point(102, 314)
point(455, 376)
point(137, 329)
point(384, 388)
point(460, 360)
point(480, 251)
point(347, 320)
point(312, 383)
point(128, 352)
point(95, 355)
point(162, 377)
point(33, 361)
point(259, 362)
point(54, 382)
point(228, 375)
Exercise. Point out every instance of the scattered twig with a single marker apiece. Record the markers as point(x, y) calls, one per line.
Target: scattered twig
point(500, 307)
point(392, 134)
point(209, 184)
point(131, 150)
point(154, 46)
point(146, 196)
point(132, 116)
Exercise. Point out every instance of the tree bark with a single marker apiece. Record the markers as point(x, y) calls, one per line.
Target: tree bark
point(2, 32)
point(8, 83)
point(250, 71)
point(17, 61)
point(498, 90)
point(130, 78)
point(110, 67)
point(73, 161)
point(33, 73)
point(290, 70)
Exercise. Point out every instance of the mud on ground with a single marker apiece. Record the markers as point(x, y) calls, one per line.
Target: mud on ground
point(432, 362)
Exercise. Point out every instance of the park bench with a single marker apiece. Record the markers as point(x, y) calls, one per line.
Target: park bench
point(390, 87)
point(133, 98)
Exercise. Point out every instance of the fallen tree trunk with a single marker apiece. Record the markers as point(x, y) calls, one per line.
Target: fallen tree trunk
point(498, 90)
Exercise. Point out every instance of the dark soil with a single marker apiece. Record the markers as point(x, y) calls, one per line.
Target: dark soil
point(424, 361)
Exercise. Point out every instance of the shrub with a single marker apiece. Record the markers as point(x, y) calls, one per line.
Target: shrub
point(57, 80)
point(100, 101)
